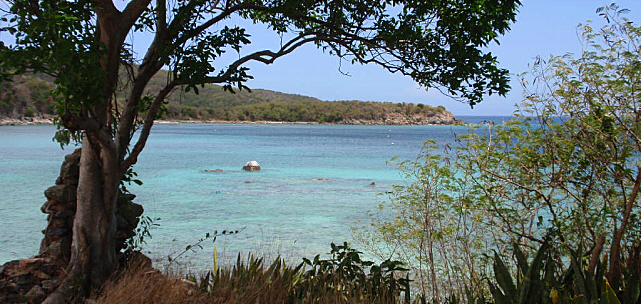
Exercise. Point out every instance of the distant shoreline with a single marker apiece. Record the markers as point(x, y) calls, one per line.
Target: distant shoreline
point(28, 121)
point(266, 122)
point(49, 121)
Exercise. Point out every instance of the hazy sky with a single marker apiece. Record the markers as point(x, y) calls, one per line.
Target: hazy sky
point(543, 27)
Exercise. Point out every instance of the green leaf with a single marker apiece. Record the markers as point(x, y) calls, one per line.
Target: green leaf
point(611, 295)
point(531, 290)
point(521, 259)
point(503, 277)
point(499, 297)
point(580, 283)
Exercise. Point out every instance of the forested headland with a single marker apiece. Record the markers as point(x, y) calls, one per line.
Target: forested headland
point(27, 96)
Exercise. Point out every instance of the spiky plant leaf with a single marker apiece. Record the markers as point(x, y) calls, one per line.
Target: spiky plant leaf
point(531, 288)
point(503, 278)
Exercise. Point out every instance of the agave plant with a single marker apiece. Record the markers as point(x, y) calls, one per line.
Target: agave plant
point(544, 280)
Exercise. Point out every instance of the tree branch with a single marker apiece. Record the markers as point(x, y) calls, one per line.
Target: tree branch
point(108, 9)
point(201, 28)
point(132, 12)
point(150, 66)
point(264, 56)
point(90, 125)
point(146, 129)
point(596, 254)
point(614, 268)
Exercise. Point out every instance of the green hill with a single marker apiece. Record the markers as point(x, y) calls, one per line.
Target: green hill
point(213, 96)
point(27, 96)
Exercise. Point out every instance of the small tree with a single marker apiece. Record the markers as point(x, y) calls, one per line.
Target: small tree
point(82, 43)
point(568, 167)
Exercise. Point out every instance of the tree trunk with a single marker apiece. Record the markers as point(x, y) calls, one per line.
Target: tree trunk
point(93, 247)
point(93, 253)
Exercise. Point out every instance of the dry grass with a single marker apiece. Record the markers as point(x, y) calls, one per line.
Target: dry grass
point(141, 285)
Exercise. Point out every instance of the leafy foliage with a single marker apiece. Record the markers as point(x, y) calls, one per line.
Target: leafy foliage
point(438, 44)
point(545, 280)
point(308, 111)
point(343, 278)
point(143, 233)
point(566, 168)
point(432, 224)
point(345, 272)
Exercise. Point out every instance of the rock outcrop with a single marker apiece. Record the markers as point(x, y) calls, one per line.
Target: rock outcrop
point(435, 118)
point(251, 166)
point(30, 278)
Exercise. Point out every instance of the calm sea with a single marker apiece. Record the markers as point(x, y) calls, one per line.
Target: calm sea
point(315, 183)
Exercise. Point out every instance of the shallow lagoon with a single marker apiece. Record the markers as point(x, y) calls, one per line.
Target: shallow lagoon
point(315, 184)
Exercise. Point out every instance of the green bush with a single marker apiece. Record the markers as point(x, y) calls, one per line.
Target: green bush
point(29, 112)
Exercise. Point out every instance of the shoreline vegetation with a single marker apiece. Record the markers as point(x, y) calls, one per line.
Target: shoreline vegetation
point(48, 120)
point(26, 100)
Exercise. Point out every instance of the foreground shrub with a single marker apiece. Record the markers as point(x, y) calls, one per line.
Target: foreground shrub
point(342, 278)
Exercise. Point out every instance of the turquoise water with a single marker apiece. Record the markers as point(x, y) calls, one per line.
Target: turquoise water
point(314, 185)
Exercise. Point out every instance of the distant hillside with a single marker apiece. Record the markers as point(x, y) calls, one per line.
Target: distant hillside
point(213, 96)
point(27, 96)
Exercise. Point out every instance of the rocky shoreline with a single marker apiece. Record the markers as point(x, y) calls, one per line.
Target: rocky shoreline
point(26, 121)
point(392, 119)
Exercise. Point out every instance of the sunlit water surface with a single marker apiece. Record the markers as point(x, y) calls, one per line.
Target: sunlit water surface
point(315, 183)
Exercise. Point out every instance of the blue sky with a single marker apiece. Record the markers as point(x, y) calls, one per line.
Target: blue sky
point(543, 27)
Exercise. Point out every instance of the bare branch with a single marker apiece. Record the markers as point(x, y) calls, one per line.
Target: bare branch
point(614, 268)
point(264, 56)
point(596, 254)
point(146, 129)
point(107, 9)
point(161, 17)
